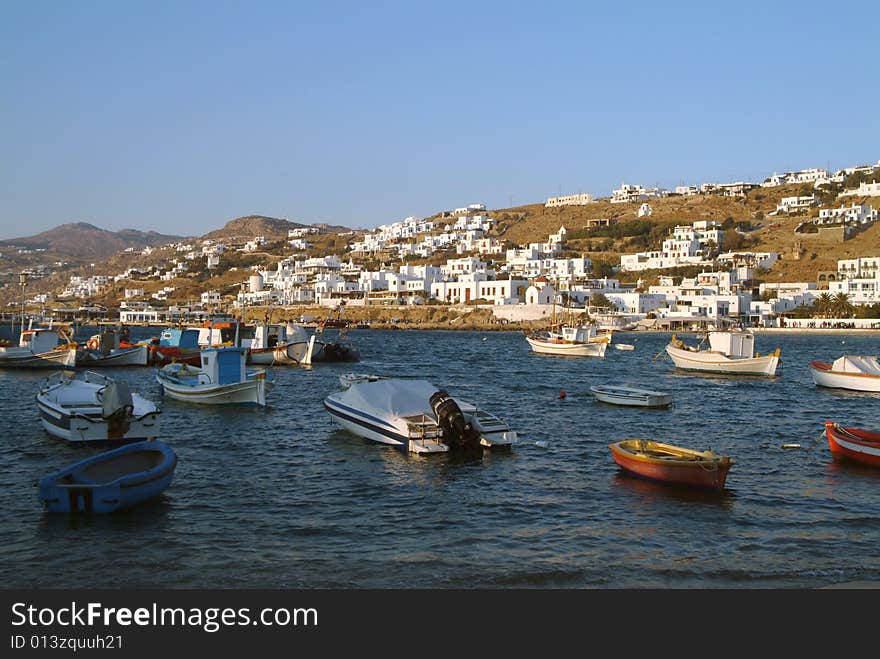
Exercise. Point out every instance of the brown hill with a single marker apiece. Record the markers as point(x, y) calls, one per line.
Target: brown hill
point(250, 226)
point(80, 240)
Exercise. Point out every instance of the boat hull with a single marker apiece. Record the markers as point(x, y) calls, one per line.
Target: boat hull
point(88, 496)
point(711, 474)
point(823, 376)
point(568, 349)
point(710, 362)
point(860, 446)
point(632, 399)
point(164, 355)
point(76, 429)
point(251, 392)
point(289, 354)
point(136, 356)
point(12, 358)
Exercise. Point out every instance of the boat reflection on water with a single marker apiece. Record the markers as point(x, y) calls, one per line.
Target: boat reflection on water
point(683, 493)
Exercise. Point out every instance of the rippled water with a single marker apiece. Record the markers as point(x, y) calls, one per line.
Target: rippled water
point(281, 497)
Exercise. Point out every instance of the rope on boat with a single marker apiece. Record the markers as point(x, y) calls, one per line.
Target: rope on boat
point(819, 438)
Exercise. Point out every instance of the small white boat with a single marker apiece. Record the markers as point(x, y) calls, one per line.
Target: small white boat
point(221, 380)
point(621, 394)
point(730, 353)
point(624, 346)
point(570, 341)
point(855, 372)
point(279, 344)
point(39, 348)
point(416, 416)
point(95, 408)
point(104, 350)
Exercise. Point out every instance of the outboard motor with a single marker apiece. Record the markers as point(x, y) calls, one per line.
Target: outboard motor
point(458, 435)
point(117, 407)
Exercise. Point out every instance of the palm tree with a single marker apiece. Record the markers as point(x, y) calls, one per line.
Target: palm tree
point(842, 307)
point(823, 304)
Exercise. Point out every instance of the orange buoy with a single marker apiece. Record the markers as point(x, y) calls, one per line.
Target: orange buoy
point(562, 394)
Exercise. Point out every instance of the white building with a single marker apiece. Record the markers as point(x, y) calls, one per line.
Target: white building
point(685, 246)
point(802, 176)
point(627, 193)
point(791, 204)
point(570, 200)
point(133, 292)
point(645, 210)
point(211, 297)
point(855, 214)
point(864, 190)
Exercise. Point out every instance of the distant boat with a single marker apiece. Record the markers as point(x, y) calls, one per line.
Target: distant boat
point(106, 349)
point(626, 395)
point(111, 480)
point(671, 464)
point(858, 445)
point(569, 341)
point(855, 372)
point(39, 348)
point(278, 344)
point(730, 353)
point(624, 346)
point(94, 408)
point(221, 380)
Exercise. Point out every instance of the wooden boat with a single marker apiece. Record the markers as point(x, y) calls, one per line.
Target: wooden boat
point(855, 372)
point(625, 395)
point(730, 353)
point(94, 408)
point(39, 348)
point(858, 445)
point(111, 480)
point(176, 345)
point(221, 380)
point(569, 341)
point(624, 346)
point(671, 464)
point(106, 349)
point(279, 344)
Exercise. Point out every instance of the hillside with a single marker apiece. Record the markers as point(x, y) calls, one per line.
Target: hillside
point(272, 228)
point(80, 241)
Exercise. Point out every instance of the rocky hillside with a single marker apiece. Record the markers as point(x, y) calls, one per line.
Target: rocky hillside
point(250, 226)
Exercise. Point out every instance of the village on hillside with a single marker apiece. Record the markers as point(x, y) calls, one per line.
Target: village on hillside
point(689, 273)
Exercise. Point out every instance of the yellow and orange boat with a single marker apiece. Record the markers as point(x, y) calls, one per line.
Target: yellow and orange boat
point(671, 464)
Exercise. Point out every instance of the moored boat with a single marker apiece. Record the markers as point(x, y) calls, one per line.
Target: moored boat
point(222, 379)
point(622, 394)
point(416, 416)
point(94, 408)
point(111, 480)
point(730, 353)
point(40, 348)
point(671, 464)
point(105, 349)
point(624, 346)
point(570, 341)
point(855, 372)
point(176, 345)
point(859, 445)
point(278, 344)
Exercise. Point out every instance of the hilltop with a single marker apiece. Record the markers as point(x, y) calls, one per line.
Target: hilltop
point(273, 228)
point(81, 241)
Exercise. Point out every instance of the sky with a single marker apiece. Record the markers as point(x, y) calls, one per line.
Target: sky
point(179, 116)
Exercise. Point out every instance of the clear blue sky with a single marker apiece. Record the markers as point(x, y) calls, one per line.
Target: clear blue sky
point(178, 116)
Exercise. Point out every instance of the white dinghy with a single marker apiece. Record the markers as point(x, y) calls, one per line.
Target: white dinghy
point(621, 394)
point(855, 372)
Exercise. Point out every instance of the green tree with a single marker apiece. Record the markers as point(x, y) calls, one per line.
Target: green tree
point(823, 305)
point(842, 307)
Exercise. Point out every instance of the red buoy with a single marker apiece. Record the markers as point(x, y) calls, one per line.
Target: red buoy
point(562, 394)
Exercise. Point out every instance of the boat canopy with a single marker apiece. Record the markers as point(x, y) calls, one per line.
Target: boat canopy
point(733, 344)
point(384, 398)
point(856, 364)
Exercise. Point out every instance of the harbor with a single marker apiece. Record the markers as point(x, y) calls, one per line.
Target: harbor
point(281, 496)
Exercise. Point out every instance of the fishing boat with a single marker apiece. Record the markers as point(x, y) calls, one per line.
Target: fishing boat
point(569, 340)
point(858, 445)
point(326, 350)
point(416, 416)
point(730, 353)
point(279, 344)
point(105, 349)
point(221, 379)
point(40, 348)
point(626, 395)
point(856, 372)
point(110, 481)
point(95, 408)
point(176, 345)
point(671, 464)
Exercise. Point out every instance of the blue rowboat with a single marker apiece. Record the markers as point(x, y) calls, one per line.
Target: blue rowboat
point(111, 480)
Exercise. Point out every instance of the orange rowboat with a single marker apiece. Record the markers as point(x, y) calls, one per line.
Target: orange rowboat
point(671, 464)
point(859, 445)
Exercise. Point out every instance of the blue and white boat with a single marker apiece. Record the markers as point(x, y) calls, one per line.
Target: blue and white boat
point(415, 416)
point(223, 379)
point(111, 480)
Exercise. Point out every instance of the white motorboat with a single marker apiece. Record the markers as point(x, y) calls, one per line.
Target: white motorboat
point(855, 372)
point(221, 380)
point(730, 353)
point(279, 344)
point(626, 395)
point(95, 408)
point(570, 341)
point(104, 350)
point(39, 348)
point(416, 416)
